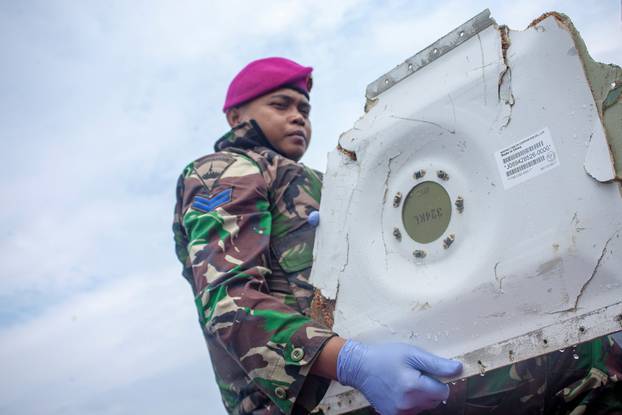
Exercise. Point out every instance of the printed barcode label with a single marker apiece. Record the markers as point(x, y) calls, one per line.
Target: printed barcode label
point(524, 166)
point(526, 159)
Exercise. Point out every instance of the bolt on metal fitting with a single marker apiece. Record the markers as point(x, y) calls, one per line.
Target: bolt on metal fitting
point(449, 240)
point(442, 175)
point(419, 174)
point(397, 199)
point(397, 234)
point(419, 254)
point(459, 204)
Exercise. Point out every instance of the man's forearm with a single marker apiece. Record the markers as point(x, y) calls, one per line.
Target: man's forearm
point(325, 364)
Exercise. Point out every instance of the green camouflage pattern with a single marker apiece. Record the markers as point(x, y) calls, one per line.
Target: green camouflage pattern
point(585, 379)
point(581, 380)
point(248, 259)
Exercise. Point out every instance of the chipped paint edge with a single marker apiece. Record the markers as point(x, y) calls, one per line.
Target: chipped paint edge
point(605, 82)
point(552, 338)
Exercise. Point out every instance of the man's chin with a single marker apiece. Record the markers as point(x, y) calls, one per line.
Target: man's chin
point(294, 153)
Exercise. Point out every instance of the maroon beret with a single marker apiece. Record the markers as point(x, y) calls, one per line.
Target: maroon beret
point(264, 75)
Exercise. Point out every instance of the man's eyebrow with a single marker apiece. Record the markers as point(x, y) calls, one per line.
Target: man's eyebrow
point(282, 96)
point(289, 98)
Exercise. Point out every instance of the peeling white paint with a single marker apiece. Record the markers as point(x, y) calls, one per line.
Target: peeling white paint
point(598, 161)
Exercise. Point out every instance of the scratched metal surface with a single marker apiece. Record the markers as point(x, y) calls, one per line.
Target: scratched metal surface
point(532, 265)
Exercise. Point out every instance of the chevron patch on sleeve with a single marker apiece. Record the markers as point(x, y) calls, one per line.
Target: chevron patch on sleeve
point(206, 204)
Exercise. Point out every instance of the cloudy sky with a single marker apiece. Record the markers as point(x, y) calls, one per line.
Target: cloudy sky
point(102, 103)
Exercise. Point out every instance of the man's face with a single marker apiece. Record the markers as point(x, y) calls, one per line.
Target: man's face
point(283, 116)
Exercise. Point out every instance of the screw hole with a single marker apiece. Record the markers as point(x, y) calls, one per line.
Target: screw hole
point(545, 341)
point(581, 329)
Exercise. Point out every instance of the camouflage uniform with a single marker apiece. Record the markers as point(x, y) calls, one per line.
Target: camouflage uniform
point(242, 235)
point(586, 379)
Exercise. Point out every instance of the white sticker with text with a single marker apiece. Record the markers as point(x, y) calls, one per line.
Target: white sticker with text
point(526, 159)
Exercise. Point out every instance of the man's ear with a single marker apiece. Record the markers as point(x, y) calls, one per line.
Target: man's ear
point(233, 117)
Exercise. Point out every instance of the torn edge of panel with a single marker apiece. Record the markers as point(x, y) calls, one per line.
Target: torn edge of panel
point(605, 82)
point(323, 308)
point(504, 87)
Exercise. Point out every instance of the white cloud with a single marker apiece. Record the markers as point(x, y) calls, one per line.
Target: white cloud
point(141, 327)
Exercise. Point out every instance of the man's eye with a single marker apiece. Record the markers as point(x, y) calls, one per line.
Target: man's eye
point(279, 105)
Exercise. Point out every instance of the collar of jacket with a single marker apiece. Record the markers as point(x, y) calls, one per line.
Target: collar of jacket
point(247, 135)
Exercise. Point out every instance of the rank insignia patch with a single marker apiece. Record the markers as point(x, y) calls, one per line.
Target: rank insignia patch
point(206, 204)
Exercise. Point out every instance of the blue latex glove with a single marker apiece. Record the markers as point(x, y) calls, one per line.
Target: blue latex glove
point(394, 376)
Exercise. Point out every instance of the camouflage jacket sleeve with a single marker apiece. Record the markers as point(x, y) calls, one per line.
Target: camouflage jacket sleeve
point(222, 231)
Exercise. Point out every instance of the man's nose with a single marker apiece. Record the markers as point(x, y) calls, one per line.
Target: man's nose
point(298, 118)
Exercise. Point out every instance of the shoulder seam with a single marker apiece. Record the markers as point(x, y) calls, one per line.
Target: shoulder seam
point(245, 157)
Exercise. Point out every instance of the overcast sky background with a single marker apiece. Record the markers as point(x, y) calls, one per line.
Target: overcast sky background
point(102, 103)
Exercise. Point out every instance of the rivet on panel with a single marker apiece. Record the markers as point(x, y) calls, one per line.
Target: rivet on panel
point(419, 253)
point(459, 204)
point(419, 174)
point(397, 234)
point(448, 241)
point(397, 199)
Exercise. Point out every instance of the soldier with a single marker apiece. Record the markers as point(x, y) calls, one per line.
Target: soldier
point(244, 232)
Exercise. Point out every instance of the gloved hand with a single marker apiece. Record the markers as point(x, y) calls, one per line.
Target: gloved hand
point(394, 376)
